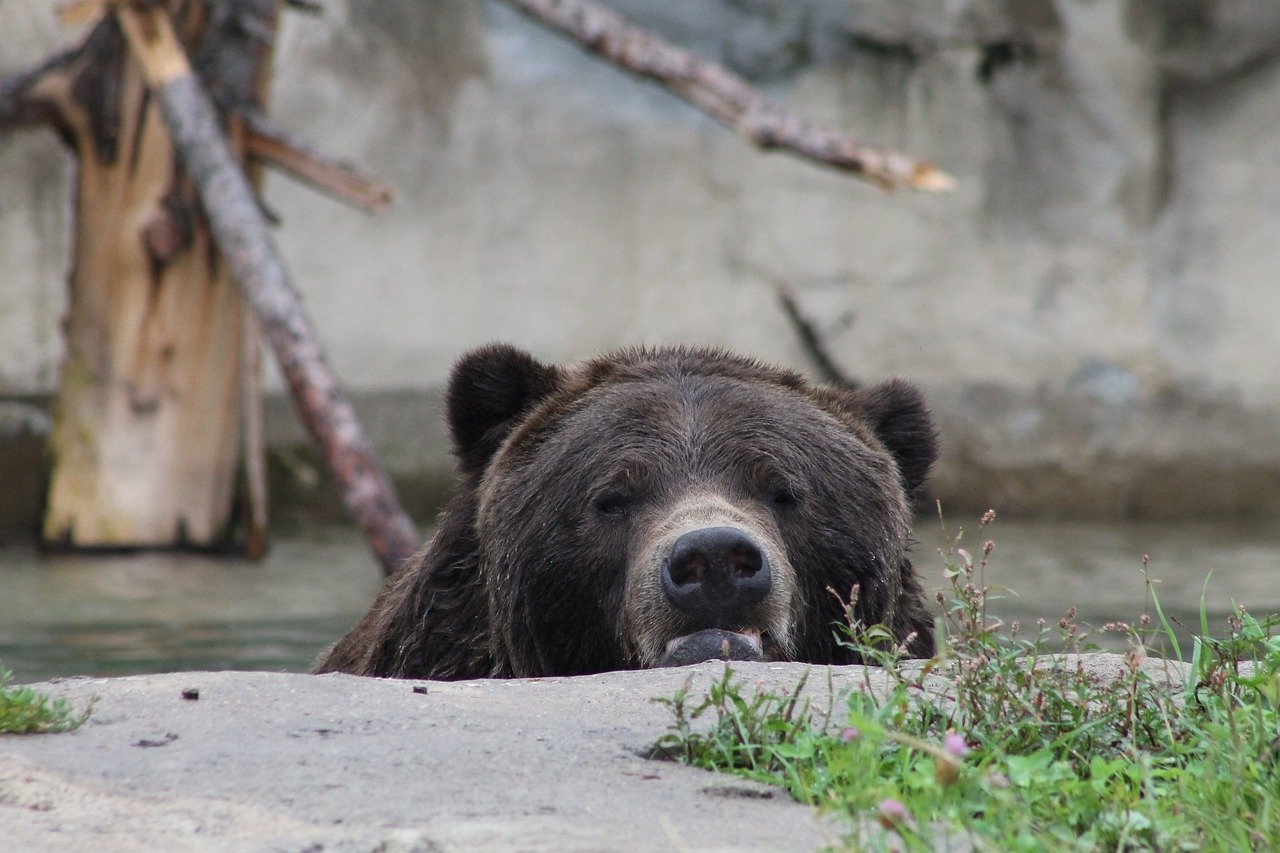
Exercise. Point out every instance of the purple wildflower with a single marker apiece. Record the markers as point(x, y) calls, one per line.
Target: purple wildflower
point(892, 814)
point(955, 744)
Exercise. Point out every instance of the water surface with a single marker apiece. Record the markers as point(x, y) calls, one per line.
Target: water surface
point(117, 615)
point(1042, 569)
point(160, 612)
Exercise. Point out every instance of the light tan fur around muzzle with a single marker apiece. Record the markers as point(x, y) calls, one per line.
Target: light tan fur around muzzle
point(650, 622)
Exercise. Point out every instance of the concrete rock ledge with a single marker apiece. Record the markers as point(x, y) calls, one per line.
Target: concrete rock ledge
point(300, 762)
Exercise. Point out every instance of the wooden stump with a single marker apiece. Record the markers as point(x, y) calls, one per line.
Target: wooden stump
point(147, 435)
point(147, 438)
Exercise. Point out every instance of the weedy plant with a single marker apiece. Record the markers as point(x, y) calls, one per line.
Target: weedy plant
point(24, 710)
point(1006, 740)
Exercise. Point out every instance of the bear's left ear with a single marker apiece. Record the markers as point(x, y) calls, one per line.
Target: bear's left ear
point(490, 390)
point(897, 412)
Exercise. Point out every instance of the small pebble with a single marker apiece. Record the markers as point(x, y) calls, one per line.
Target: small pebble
point(420, 688)
point(191, 694)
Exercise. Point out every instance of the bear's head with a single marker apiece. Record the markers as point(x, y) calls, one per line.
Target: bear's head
point(630, 509)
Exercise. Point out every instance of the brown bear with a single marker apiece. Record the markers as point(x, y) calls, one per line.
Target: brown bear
point(654, 507)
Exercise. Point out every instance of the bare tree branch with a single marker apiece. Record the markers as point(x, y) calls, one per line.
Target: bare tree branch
point(726, 96)
point(269, 142)
point(255, 440)
point(814, 346)
point(242, 238)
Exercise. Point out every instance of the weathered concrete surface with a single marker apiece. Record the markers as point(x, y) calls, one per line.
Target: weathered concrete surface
point(1092, 312)
point(293, 762)
point(300, 762)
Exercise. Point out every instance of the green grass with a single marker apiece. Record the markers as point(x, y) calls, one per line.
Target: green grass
point(27, 711)
point(1021, 748)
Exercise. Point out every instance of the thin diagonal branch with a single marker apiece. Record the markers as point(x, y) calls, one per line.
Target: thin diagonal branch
point(267, 141)
point(811, 340)
point(727, 97)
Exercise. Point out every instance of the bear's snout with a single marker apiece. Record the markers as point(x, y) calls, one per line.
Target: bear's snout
point(715, 574)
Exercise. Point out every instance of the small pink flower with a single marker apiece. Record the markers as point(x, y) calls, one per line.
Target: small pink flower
point(955, 744)
point(849, 734)
point(892, 814)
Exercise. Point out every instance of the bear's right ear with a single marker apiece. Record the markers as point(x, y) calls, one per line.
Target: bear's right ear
point(490, 389)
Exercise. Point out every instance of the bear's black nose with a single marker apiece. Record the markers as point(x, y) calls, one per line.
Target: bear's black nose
point(715, 572)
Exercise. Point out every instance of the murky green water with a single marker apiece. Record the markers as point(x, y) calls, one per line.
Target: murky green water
point(1048, 568)
point(116, 615)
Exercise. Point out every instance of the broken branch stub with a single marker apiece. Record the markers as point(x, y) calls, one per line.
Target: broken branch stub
point(725, 96)
point(273, 144)
point(240, 232)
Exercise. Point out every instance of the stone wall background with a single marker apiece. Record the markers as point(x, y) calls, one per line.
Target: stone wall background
point(1093, 313)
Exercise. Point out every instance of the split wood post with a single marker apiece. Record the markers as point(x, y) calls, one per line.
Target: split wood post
point(147, 437)
point(240, 232)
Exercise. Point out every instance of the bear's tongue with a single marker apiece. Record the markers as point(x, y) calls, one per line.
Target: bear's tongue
point(712, 644)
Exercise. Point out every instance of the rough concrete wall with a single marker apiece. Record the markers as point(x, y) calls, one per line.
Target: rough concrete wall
point(1092, 312)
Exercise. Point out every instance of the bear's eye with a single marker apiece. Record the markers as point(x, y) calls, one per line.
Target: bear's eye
point(613, 503)
point(783, 496)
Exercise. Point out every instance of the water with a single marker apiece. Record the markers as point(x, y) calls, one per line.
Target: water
point(1049, 567)
point(160, 612)
point(64, 615)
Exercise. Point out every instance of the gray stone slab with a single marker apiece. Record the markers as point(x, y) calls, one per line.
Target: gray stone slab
point(300, 762)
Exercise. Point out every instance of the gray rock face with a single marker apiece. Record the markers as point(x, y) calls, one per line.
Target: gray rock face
point(1105, 271)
